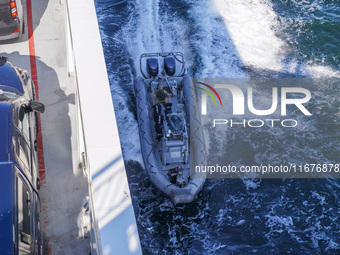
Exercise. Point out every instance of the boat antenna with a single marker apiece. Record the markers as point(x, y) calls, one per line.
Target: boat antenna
point(166, 80)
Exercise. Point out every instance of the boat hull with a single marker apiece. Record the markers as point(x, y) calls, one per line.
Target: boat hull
point(153, 166)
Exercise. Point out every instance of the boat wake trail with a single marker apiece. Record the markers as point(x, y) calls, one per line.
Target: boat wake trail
point(152, 29)
point(252, 26)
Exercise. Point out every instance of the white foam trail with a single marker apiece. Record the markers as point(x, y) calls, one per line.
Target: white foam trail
point(217, 54)
point(310, 69)
point(252, 25)
point(317, 71)
point(141, 33)
point(150, 30)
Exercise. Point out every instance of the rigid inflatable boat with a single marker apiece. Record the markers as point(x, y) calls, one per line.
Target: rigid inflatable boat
point(171, 140)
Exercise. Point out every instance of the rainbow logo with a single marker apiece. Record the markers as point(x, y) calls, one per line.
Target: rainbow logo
point(209, 93)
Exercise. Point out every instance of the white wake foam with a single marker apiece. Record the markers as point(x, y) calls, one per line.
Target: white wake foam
point(211, 41)
point(252, 26)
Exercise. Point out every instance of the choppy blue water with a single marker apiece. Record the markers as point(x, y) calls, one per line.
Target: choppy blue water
point(232, 38)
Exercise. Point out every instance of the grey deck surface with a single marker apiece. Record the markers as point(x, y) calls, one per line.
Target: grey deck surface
point(64, 190)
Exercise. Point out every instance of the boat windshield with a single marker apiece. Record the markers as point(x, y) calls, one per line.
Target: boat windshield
point(8, 93)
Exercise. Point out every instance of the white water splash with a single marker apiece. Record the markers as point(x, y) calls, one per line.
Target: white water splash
point(252, 25)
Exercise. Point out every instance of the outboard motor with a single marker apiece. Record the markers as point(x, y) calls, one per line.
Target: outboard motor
point(152, 66)
point(170, 65)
